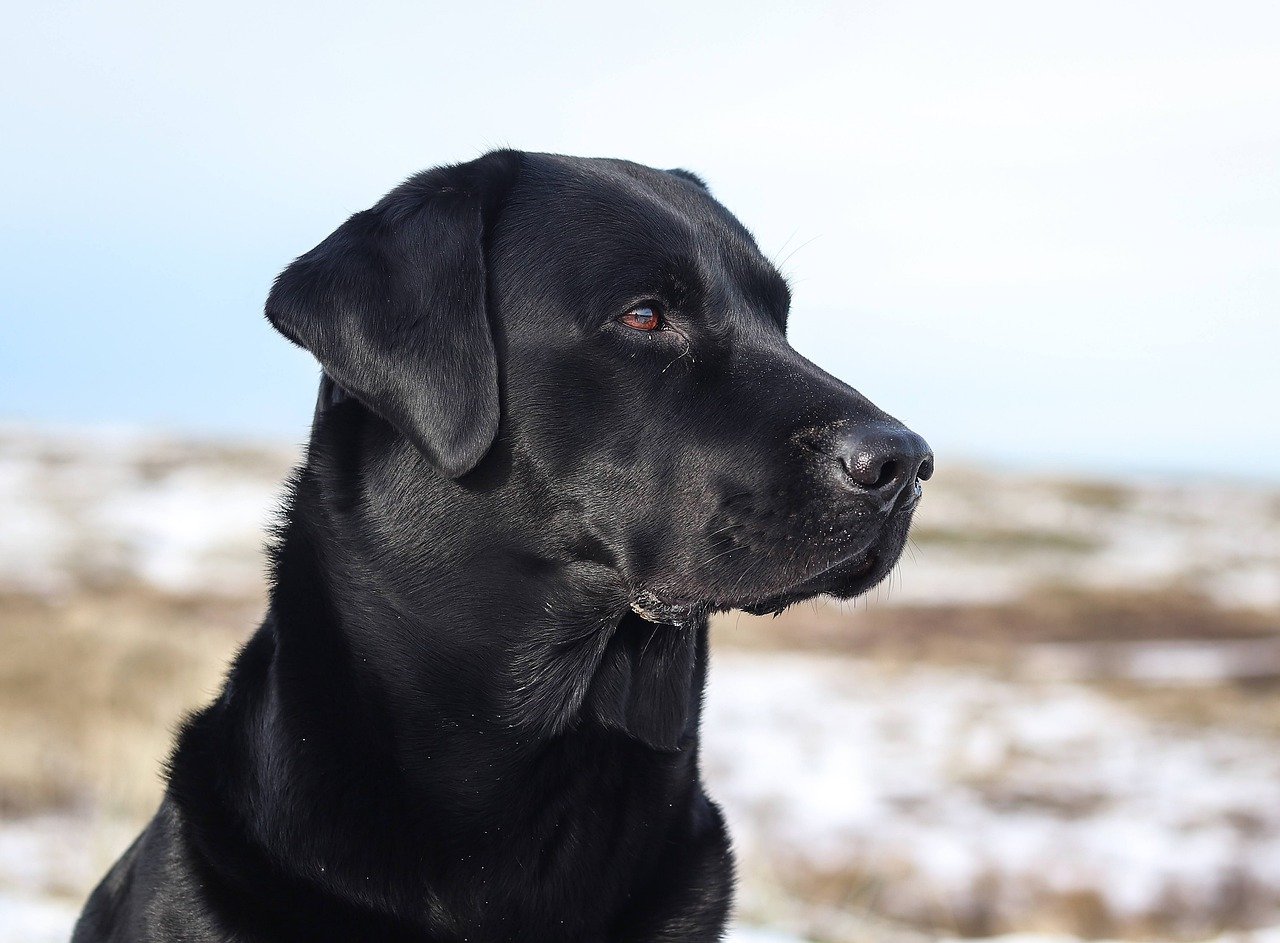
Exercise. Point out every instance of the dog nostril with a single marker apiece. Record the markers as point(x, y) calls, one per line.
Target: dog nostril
point(888, 474)
point(865, 472)
point(884, 461)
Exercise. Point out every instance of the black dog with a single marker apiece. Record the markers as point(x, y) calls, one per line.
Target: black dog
point(560, 425)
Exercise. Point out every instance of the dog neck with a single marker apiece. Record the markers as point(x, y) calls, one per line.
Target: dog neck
point(441, 675)
point(460, 599)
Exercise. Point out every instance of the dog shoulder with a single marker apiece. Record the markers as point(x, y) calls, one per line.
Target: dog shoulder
point(151, 894)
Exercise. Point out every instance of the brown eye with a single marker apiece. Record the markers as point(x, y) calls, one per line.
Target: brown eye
point(644, 317)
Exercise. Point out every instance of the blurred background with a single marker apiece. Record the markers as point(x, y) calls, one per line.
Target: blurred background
point(1045, 236)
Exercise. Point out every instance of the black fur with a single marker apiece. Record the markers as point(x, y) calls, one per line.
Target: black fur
point(471, 712)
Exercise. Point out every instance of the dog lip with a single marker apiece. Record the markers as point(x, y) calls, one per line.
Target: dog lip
point(858, 582)
point(871, 559)
point(867, 565)
point(653, 608)
point(909, 500)
point(680, 609)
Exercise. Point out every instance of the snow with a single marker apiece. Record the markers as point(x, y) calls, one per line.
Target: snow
point(1170, 662)
point(950, 778)
point(942, 778)
point(123, 507)
point(1219, 538)
point(957, 785)
point(29, 919)
point(180, 516)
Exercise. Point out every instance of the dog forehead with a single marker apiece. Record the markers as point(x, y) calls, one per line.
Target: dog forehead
point(570, 197)
point(598, 214)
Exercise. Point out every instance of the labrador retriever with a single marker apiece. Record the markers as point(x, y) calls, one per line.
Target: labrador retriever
point(559, 425)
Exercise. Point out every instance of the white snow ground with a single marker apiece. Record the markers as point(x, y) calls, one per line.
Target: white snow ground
point(98, 508)
point(962, 787)
point(966, 788)
point(190, 516)
point(955, 785)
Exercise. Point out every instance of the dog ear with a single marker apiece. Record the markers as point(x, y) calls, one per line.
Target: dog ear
point(393, 304)
point(690, 176)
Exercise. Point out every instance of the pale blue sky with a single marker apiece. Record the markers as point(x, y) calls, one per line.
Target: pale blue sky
point(1045, 234)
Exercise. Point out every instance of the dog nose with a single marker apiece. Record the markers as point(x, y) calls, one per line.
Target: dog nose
point(884, 461)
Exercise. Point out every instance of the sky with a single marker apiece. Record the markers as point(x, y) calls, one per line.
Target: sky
point(1044, 235)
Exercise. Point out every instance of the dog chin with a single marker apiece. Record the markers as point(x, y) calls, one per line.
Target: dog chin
point(846, 580)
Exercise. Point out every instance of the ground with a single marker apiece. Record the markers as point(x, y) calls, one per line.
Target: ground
point(1061, 716)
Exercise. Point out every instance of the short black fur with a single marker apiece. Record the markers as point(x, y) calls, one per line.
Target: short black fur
point(471, 711)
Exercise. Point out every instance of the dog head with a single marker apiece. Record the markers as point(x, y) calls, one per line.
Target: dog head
point(615, 334)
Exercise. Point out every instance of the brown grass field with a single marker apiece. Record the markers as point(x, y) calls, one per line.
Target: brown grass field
point(119, 613)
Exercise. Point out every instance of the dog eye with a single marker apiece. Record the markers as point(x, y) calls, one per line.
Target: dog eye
point(645, 317)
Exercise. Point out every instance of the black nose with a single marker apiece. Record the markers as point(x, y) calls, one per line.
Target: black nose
point(884, 461)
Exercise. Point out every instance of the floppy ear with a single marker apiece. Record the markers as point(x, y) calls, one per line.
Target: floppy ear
point(393, 305)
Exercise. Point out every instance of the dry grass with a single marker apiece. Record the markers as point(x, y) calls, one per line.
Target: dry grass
point(883, 895)
point(1102, 495)
point(988, 633)
point(996, 637)
point(94, 687)
point(1005, 542)
point(1246, 707)
point(94, 684)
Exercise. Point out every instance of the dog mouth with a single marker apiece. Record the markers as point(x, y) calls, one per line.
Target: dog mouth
point(846, 578)
point(654, 608)
point(866, 560)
